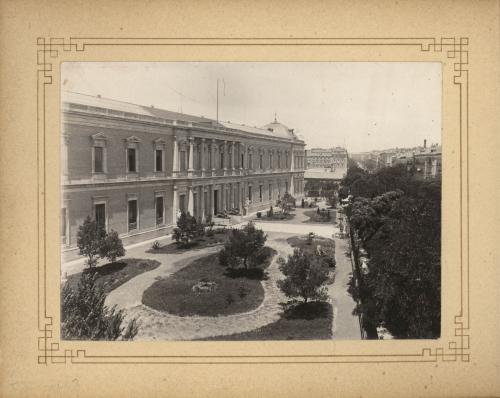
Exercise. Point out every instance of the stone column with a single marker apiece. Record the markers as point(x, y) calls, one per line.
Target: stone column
point(213, 157)
point(202, 157)
point(292, 187)
point(201, 212)
point(175, 158)
point(191, 156)
point(64, 158)
point(233, 150)
point(222, 197)
point(174, 205)
point(224, 158)
point(190, 201)
point(292, 161)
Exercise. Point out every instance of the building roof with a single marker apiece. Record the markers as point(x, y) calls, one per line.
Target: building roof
point(278, 129)
point(321, 174)
point(97, 101)
point(274, 129)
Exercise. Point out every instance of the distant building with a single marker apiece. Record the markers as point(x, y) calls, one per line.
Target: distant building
point(427, 163)
point(324, 158)
point(385, 159)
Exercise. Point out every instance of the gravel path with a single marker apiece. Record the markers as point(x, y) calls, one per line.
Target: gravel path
point(157, 325)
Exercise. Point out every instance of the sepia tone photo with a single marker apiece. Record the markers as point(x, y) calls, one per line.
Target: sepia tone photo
point(250, 200)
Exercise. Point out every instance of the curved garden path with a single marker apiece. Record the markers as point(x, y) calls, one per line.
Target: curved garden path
point(157, 325)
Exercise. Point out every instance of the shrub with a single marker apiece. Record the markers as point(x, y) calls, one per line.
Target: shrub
point(89, 240)
point(259, 214)
point(85, 317)
point(155, 245)
point(270, 212)
point(187, 229)
point(305, 277)
point(243, 247)
point(111, 247)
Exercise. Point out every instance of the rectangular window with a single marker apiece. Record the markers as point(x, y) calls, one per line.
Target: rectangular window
point(183, 161)
point(63, 225)
point(250, 161)
point(279, 161)
point(242, 161)
point(222, 160)
point(100, 214)
point(182, 203)
point(260, 162)
point(250, 194)
point(260, 193)
point(159, 160)
point(270, 191)
point(132, 215)
point(98, 159)
point(131, 156)
point(159, 210)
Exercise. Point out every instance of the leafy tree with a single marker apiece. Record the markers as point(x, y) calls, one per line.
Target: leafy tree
point(111, 247)
point(401, 233)
point(286, 203)
point(243, 247)
point(187, 229)
point(85, 317)
point(305, 277)
point(89, 240)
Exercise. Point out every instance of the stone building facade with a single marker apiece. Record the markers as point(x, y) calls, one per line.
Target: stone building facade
point(333, 158)
point(135, 168)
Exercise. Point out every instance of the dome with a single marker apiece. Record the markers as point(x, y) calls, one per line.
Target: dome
point(280, 130)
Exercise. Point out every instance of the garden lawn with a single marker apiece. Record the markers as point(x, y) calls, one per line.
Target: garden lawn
point(311, 321)
point(327, 245)
point(315, 217)
point(234, 293)
point(276, 217)
point(218, 238)
point(112, 275)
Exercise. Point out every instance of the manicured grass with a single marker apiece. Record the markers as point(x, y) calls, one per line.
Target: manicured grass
point(235, 292)
point(315, 217)
point(218, 238)
point(311, 321)
point(301, 242)
point(276, 217)
point(112, 275)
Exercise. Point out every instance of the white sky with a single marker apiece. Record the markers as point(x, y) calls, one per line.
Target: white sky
point(359, 105)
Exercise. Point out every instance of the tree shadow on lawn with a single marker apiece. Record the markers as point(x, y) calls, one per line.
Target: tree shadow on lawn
point(112, 275)
point(196, 244)
point(252, 273)
point(308, 311)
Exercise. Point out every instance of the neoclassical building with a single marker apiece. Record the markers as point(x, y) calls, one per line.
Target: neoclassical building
point(134, 168)
point(335, 158)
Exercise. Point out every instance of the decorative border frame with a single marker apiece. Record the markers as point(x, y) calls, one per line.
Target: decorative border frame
point(50, 351)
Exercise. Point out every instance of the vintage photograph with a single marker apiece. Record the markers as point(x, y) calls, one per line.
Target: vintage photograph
point(250, 200)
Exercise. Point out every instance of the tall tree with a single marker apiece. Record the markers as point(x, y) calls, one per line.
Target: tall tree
point(305, 277)
point(89, 240)
point(243, 247)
